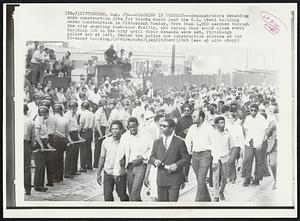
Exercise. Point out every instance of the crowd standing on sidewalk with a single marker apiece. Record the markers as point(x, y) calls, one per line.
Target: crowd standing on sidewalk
point(148, 137)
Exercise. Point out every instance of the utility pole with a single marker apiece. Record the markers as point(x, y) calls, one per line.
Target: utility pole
point(173, 60)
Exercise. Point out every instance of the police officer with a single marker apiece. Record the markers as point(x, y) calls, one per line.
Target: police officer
point(86, 126)
point(72, 150)
point(60, 140)
point(40, 157)
point(101, 121)
point(28, 144)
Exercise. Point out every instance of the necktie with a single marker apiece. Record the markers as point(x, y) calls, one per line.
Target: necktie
point(166, 143)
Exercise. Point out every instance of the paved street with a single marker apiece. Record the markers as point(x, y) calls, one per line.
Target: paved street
point(84, 187)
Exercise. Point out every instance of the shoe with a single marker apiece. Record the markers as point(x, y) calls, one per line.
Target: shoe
point(216, 199)
point(83, 170)
point(40, 189)
point(246, 182)
point(49, 184)
point(68, 176)
point(28, 193)
point(255, 183)
point(90, 168)
point(76, 173)
point(232, 181)
point(222, 197)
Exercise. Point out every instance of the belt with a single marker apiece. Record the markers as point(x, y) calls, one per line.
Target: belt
point(74, 131)
point(200, 151)
point(130, 164)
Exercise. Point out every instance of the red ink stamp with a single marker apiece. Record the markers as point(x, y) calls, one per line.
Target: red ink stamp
point(272, 23)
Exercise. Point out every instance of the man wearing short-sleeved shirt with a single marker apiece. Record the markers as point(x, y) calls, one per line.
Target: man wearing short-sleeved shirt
point(114, 173)
point(86, 127)
point(255, 126)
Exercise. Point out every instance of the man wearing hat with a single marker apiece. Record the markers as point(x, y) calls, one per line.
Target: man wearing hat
point(33, 106)
point(42, 159)
point(72, 151)
point(101, 122)
point(60, 137)
point(255, 126)
point(221, 145)
point(86, 126)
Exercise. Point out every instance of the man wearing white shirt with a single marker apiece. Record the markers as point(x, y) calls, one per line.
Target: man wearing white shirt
point(222, 143)
point(169, 155)
point(94, 97)
point(114, 173)
point(255, 126)
point(236, 132)
point(33, 107)
point(198, 141)
point(136, 147)
point(37, 65)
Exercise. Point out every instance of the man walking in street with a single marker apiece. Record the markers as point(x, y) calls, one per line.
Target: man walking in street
point(236, 132)
point(136, 147)
point(169, 155)
point(222, 143)
point(114, 172)
point(198, 141)
point(255, 126)
point(181, 129)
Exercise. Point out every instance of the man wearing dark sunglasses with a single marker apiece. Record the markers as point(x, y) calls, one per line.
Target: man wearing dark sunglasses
point(169, 155)
point(254, 126)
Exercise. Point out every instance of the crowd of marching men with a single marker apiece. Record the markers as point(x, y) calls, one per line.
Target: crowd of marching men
point(152, 138)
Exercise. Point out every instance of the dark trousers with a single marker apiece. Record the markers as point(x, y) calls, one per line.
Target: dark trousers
point(234, 155)
point(59, 143)
point(135, 180)
point(86, 149)
point(264, 152)
point(37, 73)
point(250, 154)
point(98, 143)
point(27, 161)
point(168, 193)
point(108, 187)
point(186, 168)
point(201, 162)
point(42, 160)
point(72, 152)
